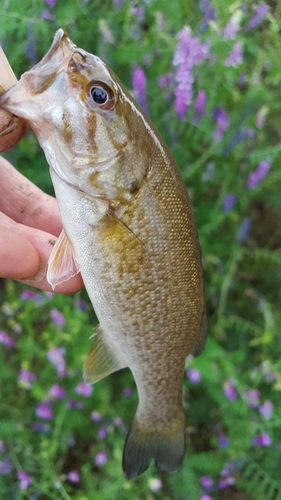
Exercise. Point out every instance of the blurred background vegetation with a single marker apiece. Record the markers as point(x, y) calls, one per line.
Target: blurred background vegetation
point(213, 91)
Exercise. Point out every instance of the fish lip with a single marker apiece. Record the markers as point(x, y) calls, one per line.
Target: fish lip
point(61, 40)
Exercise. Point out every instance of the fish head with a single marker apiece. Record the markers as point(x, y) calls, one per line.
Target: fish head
point(84, 119)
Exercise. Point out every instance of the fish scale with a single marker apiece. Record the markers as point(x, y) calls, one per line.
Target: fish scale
point(128, 227)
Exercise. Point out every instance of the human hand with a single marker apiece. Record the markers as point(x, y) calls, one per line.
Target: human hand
point(29, 225)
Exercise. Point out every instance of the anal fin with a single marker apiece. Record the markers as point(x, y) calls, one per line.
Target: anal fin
point(102, 359)
point(61, 264)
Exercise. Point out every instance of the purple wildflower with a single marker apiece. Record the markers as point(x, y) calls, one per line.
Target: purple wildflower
point(26, 378)
point(96, 416)
point(261, 116)
point(25, 479)
point(209, 172)
point(258, 175)
point(224, 483)
point(229, 391)
point(72, 403)
point(28, 294)
point(209, 14)
point(118, 421)
point(200, 105)
point(244, 230)
point(80, 304)
point(46, 14)
point(73, 476)
point(266, 409)
point(71, 442)
point(40, 427)
point(51, 3)
point(101, 458)
point(165, 80)
point(30, 46)
point(57, 392)
point(6, 340)
point(233, 26)
point(139, 86)
point(16, 328)
point(261, 11)
point(5, 467)
point(56, 357)
point(127, 392)
point(102, 433)
point(155, 484)
point(206, 497)
point(44, 410)
point(189, 52)
point(227, 470)
point(229, 202)
point(194, 375)
point(242, 79)
point(161, 21)
point(118, 4)
point(80, 405)
point(222, 120)
point(105, 31)
point(206, 481)
point(138, 12)
point(262, 440)
point(84, 389)
point(237, 138)
point(252, 398)
point(57, 317)
point(235, 58)
point(223, 441)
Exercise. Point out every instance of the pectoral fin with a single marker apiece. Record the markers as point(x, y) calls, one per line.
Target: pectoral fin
point(102, 359)
point(61, 264)
point(121, 247)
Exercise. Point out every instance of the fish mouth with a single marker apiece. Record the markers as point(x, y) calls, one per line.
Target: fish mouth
point(61, 42)
point(19, 99)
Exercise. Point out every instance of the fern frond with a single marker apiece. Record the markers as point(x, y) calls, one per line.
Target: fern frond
point(208, 463)
point(7, 429)
point(259, 483)
point(242, 324)
point(262, 254)
point(185, 483)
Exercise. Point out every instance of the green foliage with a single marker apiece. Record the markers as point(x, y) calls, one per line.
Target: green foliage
point(228, 437)
point(259, 484)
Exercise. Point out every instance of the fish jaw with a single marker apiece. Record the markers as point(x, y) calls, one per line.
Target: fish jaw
point(21, 99)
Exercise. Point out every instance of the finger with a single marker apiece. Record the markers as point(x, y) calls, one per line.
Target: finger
point(18, 257)
point(42, 243)
point(25, 203)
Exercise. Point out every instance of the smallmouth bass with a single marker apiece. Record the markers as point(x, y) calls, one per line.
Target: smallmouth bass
point(128, 227)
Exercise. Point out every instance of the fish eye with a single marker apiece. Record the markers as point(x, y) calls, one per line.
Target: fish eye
point(101, 95)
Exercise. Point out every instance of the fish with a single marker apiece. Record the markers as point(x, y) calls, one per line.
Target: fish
point(129, 228)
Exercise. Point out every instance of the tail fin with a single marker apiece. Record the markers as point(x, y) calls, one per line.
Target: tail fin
point(166, 447)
